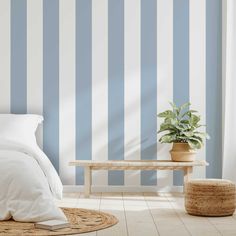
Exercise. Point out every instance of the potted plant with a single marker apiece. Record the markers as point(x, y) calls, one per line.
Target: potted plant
point(181, 127)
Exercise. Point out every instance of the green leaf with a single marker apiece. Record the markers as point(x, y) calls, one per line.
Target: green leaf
point(188, 133)
point(167, 138)
point(185, 105)
point(200, 139)
point(184, 121)
point(183, 127)
point(167, 114)
point(175, 108)
point(166, 127)
point(172, 121)
point(188, 113)
point(181, 138)
point(198, 126)
point(194, 120)
point(194, 144)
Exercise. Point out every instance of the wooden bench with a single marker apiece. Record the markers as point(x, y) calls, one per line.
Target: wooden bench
point(90, 165)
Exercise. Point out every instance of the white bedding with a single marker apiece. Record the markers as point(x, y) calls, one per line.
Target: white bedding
point(28, 182)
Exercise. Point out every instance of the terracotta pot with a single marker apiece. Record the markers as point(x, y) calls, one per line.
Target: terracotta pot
point(182, 152)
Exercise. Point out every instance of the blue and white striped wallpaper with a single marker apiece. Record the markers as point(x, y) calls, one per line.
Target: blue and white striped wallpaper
point(100, 70)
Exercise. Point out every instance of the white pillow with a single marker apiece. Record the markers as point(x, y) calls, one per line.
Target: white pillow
point(19, 128)
point(17, 132)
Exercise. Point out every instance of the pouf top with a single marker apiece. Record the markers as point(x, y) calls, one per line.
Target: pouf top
point(211, 182)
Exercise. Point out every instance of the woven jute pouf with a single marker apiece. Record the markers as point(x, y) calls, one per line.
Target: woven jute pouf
point(210, 197)
point(81, 221)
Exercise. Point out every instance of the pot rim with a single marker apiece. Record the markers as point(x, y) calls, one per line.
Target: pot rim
point(180, 143)
point(192, 151)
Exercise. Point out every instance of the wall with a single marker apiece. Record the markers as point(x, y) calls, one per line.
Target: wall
point(100, 70)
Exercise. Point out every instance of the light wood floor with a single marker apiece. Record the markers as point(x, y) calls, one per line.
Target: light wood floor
point(150, 214)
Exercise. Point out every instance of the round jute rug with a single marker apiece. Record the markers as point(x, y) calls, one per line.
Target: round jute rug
point(81, 221)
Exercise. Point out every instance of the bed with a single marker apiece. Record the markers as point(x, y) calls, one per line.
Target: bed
point(29, 183)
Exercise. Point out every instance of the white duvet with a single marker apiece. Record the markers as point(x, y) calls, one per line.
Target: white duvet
point(28, 184)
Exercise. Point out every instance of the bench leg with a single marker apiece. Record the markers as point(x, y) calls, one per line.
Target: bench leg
point(87, 181)
point(187, 174)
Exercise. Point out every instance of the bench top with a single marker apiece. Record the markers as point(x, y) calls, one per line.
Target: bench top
point(134, 163)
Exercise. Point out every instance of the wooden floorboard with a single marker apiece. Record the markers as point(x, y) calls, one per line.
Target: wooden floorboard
point(150, 214)
point(138, 217)
point(166, 219)
point(113, 204)
point(194, 224)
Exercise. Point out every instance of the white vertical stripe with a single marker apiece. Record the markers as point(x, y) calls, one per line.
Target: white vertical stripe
point(100, 86)
point(67, 90)
point(5, 42)
point(132, 87)
point(164, 77)
point(34, 60)
point(224, 47)
point(197, 26)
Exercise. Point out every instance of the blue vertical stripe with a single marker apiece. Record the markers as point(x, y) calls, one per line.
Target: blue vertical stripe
point(18, 56)
point(116, 87)
point(83, 84)
point(181, 60)
point(148, 87)
point(213, 87)
point(51, 80)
